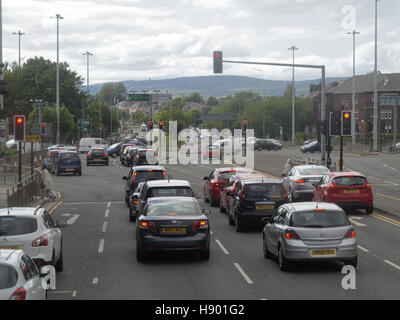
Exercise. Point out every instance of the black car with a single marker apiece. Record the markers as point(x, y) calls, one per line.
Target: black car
point(113, 150)
point(173, 224)
point(66, 162)
point(265, 144)
point(121, 151)
point(145, 156)
point(97, 156)
point(131, 154)
point(253, 199)
point(140, 174)
point(312, 147)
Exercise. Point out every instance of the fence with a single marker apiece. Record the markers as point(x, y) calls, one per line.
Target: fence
point(24, 192)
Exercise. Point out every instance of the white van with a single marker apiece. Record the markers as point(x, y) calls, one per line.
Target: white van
point(86, 143)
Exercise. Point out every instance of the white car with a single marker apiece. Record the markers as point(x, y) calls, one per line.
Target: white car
point(20, 278)
point(33, 231)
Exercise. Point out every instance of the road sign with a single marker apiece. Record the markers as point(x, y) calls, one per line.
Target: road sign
point(32, 138)
point(84, 125)
point(161, 97)
point(139, 97)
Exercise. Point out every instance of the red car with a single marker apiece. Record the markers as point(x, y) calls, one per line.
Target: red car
point(224, 197)
point(212, 152)
point(216, 181)
point(349, 190)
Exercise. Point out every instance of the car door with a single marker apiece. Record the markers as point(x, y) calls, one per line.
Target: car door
point(234, 200)
point(37, 292)
point(51, 233)
point(271, 232)
point(128, 181)
point(207, 185)
point(55, 233)
point(280, 227)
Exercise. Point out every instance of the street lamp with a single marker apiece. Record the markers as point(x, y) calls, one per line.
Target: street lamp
point(19, 33)
point(87, 54)
point(58, 17)
point(353, 97)
point(375, 129)
point(293, 48)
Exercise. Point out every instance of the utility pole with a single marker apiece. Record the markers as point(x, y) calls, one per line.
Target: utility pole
point(375, 129)
point(1, 53)
point(293, 48)
point(353, 97)
point(87, 54)
point(19, 33)
point(58, 17)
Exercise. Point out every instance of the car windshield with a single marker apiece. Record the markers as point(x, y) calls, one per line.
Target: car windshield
point(149, 175)
point(350, 181)
point(114, 145)
point(8, 276)
point(313, 171)
point(69, 156)
point(319, 219)
point(14, 226)
point(171, 192)
point(264, 190)
point(173, 208)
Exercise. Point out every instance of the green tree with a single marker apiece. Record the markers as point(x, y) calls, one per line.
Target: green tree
point(111, 91)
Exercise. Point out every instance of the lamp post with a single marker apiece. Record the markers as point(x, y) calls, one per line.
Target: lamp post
point(293, 48)
point(19, 33)
point(87, 54)
point(375, 128)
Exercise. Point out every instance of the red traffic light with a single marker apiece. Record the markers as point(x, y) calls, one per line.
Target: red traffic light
point(346, 115)
point(43, 125)
point(19, 120)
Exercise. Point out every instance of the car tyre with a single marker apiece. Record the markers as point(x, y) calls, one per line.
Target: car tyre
point(238, 224)
point(59, 266)
point(283, 262)
point(231, 221)
point(140, 255)
point(221, 208)
point(205, 254)
point(369, 210)
point(214, 202)
point(114, 155)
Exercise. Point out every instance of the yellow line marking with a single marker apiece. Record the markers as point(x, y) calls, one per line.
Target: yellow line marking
point(388, 220)
point(55, 206)
point(389, 197)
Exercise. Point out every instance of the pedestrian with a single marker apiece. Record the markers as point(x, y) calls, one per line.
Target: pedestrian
point(288, 166)
point(48, 184)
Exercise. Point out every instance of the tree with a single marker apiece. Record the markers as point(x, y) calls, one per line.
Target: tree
point(111, 91)
point(194, 97)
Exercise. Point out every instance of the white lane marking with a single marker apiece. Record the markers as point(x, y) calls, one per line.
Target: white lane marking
point(73, 219)
point(95, 281)
point(358, 224)
point(101, 246)
point(363, 249)
point(221, 246)
point(394, 169)
point(245, 276)
point(385, 165)
point(373, 178)
point(107, 213)
point(93, 202)
point(108, 204)
point(395, 184)
point(104, 226)
point(392, 264)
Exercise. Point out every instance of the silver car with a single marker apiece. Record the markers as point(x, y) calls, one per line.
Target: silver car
point(309, 231)
point(301, 180)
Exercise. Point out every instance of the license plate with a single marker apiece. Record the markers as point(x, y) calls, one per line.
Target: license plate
point(11, 248)
point(70, 169)
point(351, 191)
point(330, 252)
point(173, 230)
point(265, 207)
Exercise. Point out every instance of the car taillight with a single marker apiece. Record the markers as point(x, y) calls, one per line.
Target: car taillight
point(200, 225)
point(332, 186)
point(89, 155)
point(243, 195)
point(291, 235)
point(137, 157)
point(106, 155)
point(19, 294)
point(146, 225)
point(368, 186)
point(285, 196)
point(40, 242)
point(350, 234)
point(300, 181)
point(135, 201)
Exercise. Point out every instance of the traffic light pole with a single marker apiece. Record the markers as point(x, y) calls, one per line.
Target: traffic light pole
point(341, 144)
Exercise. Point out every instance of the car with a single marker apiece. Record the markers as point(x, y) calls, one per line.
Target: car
point(130, 157)
point(212, 152)
point(277, 143)
point(145, 157)
point(301, 180)
point(348, 189)
point(86, 143)
point(20, 278)
point(253, 199)
point(216, 180)
point(48, 160)
point(224, 197)
point(133, 202)
point(70, 148)
point(123, 146)
point(140, 174)
point(265, 144)
point(312, 147)
point(33, 231)
point(97, 155)
point(66, 162)
point(309, 231)
point(164, 188)
point(114, 149)
point(173, 224)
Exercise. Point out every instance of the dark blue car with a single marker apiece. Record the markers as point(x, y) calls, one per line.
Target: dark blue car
point(67, 162)
point(114, 150)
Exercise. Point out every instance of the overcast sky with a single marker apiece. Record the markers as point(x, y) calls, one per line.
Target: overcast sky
point(158, 39)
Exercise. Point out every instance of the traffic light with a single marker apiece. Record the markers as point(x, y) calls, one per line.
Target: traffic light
point(43, 126)
point(19, 128)
point(334, 123)
point(150, 125)
point(346, 123)
point(217, 61)
point(244, 125)
point(161, 125)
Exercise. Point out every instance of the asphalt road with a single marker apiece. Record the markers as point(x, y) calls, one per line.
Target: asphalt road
point(100, 252)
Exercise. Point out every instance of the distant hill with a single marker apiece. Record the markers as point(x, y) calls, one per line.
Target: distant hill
point(217, 86)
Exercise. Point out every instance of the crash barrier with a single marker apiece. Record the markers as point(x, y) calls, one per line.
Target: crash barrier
point(25, 191)
point(298, 161)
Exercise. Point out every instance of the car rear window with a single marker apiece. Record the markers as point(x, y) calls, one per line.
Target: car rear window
point(313, 171)
point(69, 156)
point(14, 226)
point(173, 209)
point(97, 151)
point(171, 192)
point(149, 175)
point(319, 219)
point(226, 175)
point(264, 190)
point(349, 181)
point(8, 276)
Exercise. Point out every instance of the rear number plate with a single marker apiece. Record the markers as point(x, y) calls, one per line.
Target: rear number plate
point(351, 191)
point(70, 169)
point(173, 230)
point(265, 207)
point(11, 248)
point(330, 252)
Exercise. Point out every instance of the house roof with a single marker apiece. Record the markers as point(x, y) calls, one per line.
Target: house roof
point(365, 83)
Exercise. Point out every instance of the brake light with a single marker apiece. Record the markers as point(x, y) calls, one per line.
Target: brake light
point(331, 186)
point(300, 181)
point(137, 157)
point(243, 193)
point(89, 155)
point(135, 201)
point(40, 242)
point(200, 225)
point(19, 294)
point(146, 225)
point(106, 155)
point(291, 235)
point(368, 186)
point(285, 196)
point(319, 210)
point(350, 234)
point(164, 173)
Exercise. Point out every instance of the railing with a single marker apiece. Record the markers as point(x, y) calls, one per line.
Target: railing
point(24, 192)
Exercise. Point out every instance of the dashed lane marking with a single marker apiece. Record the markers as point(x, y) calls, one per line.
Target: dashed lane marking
point(245, 276)
point(222, 247)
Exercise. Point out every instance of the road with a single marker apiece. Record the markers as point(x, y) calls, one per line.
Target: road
point(100, 252)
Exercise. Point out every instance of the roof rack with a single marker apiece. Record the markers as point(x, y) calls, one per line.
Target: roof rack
point(36, 210)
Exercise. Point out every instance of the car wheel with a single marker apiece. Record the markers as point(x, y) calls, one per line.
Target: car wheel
point(205, 254)
point(231, 221)
point(132, 217)
point(204, 196)
point(106, 164)
point(114, 155)
point(87, 164)
point(283, 262)
point(140, 255)
point(267, 253)
point(369, 210)
point(221, 208)
point(238, 224)
point(60, 262)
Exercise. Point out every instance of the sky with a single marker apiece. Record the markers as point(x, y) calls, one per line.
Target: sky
point(161, 39)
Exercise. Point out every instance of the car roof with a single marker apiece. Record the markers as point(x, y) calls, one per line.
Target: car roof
point(171, 199)
point(165, 183)
point(20, 211)
point(219, 170)
point(310, 166)
point(145, 168)
point(244, 176)
point(10, 256)
point(262, 180)
point(346, 174)
point(303, 206)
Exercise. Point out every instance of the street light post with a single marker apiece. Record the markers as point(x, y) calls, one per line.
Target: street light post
point(353, 97)
point(19, 33)
point(375, 129)
point(293, 48)
point(87, 54)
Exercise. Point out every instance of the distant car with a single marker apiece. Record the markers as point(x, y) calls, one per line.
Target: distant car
point(212, 152)
point(97, 156)
point(66, 162)
point(48, 160)
point(20, 278)
point(308, 141)
point(113, 150)
point(309, 231)
point(265, 144)
point(70, 148)
point(300, 182)
point(33, 231)
point(173, 224)
point(349, 190)
point(145, 157)
point(277, 143)
point(86, 143)
point(133, 202)
point(216, 181)
point(312, 147)
point(131, 156)
point(253, 199)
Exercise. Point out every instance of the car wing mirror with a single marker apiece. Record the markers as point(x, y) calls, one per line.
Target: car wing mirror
point(124, 178)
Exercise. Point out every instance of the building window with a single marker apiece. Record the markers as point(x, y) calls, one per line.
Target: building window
point(356, 115)
point(389, 115)
point(344, 100)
